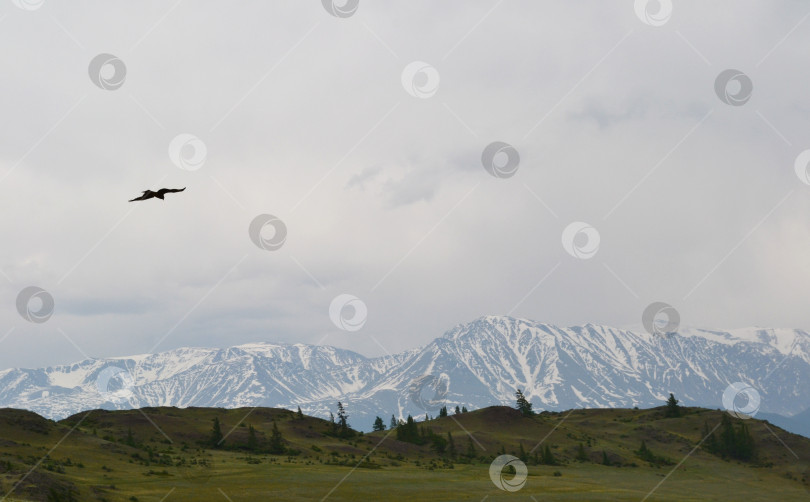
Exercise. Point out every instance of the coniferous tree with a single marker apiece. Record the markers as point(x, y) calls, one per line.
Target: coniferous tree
point(710, 440)
point(644, 453)
point(299, 415)
point(343, 421)
point(451, 446)
point(647, 455)
point(438, 443)
point(408, 431)
point(393, 424)
point(276, 440)
point(216, 434)
point(470, 448)
point(523, 404)
point(547, 457)
point(581, 455)
point(333, 427)
point(457, 411)
point(643, 449)
point(673, 410)
point(522, 454)
point(130, 438)
point(464, 409)
point(443, 411)
point(605, 459)
point(733, 442)
point(378, 424)
point(252, 441)
point(745, 448)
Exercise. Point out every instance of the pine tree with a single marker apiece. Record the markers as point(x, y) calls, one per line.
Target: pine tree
point(547, 457)
point(647, 455)
point(644, 453)
point(605, 459)
point(451, 446)
point(408, 431)
point(710, 441)
point(394, 423)
point(457, 411)
point(443, 411)
point(581, 455)
point(736, 443)
point(438, 443)
point(523, 404)
point(276, 440)
point(746, 449)
point(130, 438)
point(522, 454)
point(298, 414)
point(252, 441)
point(673, 410)
point(333, 427)
point(464, 409)
point(343, 420)
point(470, 448)
point(727, 437)
point(378, 424)
point(216, 434)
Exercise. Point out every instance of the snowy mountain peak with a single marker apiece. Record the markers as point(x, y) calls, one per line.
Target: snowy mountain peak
point(476, 364)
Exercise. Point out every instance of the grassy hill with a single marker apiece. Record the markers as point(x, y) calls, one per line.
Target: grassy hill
point(157, 454)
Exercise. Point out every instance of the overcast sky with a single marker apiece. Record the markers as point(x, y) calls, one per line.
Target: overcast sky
point(374, 165)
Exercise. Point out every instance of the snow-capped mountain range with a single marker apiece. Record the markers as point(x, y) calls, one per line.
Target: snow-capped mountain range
point(475, 365)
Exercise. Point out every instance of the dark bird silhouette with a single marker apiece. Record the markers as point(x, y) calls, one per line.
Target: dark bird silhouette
point(148, 194)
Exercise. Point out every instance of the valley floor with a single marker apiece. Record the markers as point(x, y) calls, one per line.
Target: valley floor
point(232, 480)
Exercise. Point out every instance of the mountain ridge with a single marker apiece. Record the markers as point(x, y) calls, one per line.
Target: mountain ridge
point(475, 364)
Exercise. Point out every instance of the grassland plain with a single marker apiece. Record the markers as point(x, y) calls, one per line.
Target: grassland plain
point(157, 454)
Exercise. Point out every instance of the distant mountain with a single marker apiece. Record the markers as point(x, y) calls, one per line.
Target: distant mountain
point(477, 364)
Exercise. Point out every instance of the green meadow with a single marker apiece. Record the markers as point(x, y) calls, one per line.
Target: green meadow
point(158, 454)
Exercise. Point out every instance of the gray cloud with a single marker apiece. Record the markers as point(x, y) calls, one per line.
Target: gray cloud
point(384, 196)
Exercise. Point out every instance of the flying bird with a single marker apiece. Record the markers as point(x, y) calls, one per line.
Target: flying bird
point(148, 194)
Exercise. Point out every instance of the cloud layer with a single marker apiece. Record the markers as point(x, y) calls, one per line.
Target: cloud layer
point(381, 186)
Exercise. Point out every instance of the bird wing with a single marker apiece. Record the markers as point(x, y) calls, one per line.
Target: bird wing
point(164, 191)
point(143, 197)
